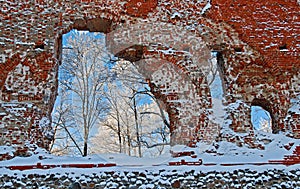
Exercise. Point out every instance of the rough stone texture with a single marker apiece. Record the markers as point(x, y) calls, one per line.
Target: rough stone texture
point(272, 29)
point(257, 44)
point(239, 178)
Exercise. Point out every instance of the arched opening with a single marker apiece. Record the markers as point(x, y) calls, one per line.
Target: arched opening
point(174, 69)
point(104, 104)
point(261, 116)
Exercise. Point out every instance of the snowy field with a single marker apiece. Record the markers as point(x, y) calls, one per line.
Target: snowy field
point(133, 172)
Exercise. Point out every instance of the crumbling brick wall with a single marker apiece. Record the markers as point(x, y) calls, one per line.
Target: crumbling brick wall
point(258, 43)
point(272, 29)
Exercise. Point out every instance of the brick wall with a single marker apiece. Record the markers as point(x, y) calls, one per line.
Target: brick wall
point(272, 29)
point(258, 43)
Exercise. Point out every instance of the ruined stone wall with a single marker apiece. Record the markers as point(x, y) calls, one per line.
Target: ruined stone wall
point(237, 178)
point(258, 43)
point(272, 29)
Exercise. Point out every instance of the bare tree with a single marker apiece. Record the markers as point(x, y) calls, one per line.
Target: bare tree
point(134, 114)
point(85, 75)
point(113, 97)
point(65, 139)
point(109, 96)
point(261, 119)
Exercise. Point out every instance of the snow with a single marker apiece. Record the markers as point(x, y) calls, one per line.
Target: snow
point(6, 150)
point(77, 172)
point(24, 43)
point(8, 184)
point(207, 6)
point(44, 122)
point(2, 56)
point(225, 153)
point(284, 50)
point(129, 161)
point(154, 177)
point(176, 14)
point(232, 154)
point(295, 107)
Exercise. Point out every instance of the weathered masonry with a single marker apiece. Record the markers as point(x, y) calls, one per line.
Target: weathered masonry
point(257, 45)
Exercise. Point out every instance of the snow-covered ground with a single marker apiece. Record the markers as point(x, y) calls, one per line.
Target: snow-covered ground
point(276, 146)
point(134, 172)
point(147, 173)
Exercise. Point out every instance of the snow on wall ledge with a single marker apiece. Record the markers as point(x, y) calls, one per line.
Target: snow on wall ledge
point(258, 54)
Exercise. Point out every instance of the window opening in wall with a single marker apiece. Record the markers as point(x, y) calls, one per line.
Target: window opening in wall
point(283, 47)
point(238, 49)
point(40, 46)
point(104, 104)
point(261, 119)
point(2, 58)
point(215, 83)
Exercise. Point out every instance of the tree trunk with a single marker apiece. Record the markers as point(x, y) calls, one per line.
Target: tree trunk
point(137, 127)
point(119, 134)
point(85, 150)
point(128, 141)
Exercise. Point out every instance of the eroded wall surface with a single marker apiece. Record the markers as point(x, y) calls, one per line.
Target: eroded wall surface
point(237, 178)
point(258, 52)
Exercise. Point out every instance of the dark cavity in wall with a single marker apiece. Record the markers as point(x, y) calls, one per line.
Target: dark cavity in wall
point(94, 25)
point(220, 61)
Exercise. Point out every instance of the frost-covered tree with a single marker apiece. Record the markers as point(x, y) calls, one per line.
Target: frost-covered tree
point(111, 95)
point(65, 137)
point(136, 117)
point(261, 119)
point(85, 74)
point(265, 125)
point(119, 130)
